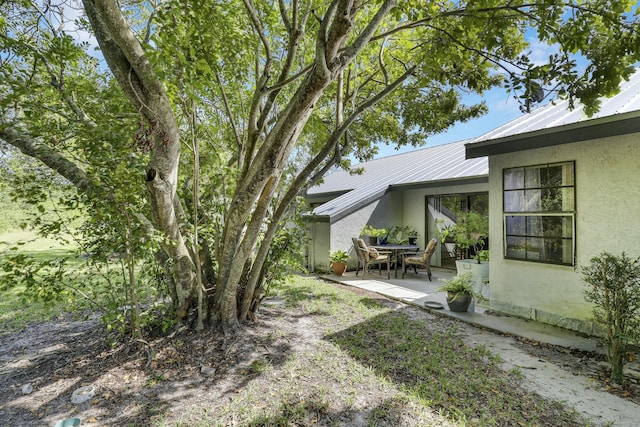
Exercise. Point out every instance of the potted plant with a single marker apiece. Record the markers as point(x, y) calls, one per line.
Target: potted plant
point(338, 260)
point(459, 291)
point(374, 234)
point(444, 233)
point(471, 230)
point(402, 234)
point(413, 236)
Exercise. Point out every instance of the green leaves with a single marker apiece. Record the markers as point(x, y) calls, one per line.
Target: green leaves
point(243, 82)
point(614, 290)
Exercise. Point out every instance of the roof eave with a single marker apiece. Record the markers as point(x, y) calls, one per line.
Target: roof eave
point(603, 127)
point(326, 195)
point(311, 217)
point(447, 182)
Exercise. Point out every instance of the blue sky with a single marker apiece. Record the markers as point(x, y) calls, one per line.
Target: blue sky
point(502, 109)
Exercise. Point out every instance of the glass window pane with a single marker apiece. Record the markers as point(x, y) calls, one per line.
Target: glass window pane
point(567, 251)
point(551, 200)
point(552, 226)
point(513, 201)
point(567, 227)
point(532, 200)
point(568, 200)
point(543, 192)
point(516, 225)
point(515, 247)
point(534, 226)
point(568, 174)
point(535, 247)
point(553, 249)
point(532, 177)
point(554, 176)
point(513, 178)
point(479, 203)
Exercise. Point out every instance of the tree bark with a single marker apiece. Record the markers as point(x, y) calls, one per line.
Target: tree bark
point(135, 75)
point(261, 176)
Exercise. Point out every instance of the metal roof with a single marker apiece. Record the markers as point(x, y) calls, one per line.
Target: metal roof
point(442, 163)
point(551, 124)
point(555, 124)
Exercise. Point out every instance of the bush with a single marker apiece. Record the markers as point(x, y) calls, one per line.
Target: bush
point(615, 294)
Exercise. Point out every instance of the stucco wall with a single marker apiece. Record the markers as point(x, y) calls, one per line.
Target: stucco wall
point(327, 238)
point(398, 207)
point(607, 206)
point(382, 213)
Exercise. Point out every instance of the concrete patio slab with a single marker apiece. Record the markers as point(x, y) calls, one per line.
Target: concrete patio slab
point(417, 290)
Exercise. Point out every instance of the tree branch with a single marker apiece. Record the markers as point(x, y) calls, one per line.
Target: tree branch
point(51, 158)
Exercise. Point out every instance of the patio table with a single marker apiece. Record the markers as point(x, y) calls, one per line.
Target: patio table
point(395, 250)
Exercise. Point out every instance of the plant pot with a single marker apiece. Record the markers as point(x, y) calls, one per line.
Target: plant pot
point(413, 240)
point(460, 303)
point(479, 272)
point(338, 268)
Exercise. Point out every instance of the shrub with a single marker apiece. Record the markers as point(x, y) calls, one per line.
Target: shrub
point(615, 294)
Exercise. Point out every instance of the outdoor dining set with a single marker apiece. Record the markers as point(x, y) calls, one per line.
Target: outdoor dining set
point(406, 255)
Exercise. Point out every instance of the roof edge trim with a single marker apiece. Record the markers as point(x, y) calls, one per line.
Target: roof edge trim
point(465, 180)
point(614, 125)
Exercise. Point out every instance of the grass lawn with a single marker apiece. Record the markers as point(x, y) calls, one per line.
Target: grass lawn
point(359, 360)
point(322, 354)
point(14, 312)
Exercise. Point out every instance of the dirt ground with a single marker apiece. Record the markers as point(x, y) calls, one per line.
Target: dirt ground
point(42, 365)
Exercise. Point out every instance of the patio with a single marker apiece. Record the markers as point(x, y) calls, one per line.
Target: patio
point(416, 290)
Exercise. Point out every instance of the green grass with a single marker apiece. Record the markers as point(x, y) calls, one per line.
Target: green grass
point(15, 213)
point(69, 283)
point(29, 241)
point(15, 311)
point(410, 372)
point(12, 214)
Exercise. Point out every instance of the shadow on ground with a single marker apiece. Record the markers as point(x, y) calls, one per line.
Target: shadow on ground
point(430, 362)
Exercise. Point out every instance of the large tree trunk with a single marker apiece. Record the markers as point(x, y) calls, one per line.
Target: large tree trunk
point(261, 172)
point(258, 182)
point(126, 58)
point(182, 268)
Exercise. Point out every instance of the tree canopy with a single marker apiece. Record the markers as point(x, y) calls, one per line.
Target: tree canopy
point(202, 123)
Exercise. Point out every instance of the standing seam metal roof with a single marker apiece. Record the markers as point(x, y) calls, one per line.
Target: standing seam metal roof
point(439, 163)
point(447, 162)
point(558, 114)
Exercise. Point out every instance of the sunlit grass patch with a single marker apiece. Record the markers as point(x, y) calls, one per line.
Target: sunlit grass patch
point(377, 364)
point(45, 278)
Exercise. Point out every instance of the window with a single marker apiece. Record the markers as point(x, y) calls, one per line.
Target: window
point(442, 211)
point(539, 213)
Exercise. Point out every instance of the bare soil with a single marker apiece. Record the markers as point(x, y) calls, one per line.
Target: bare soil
point(153, 383)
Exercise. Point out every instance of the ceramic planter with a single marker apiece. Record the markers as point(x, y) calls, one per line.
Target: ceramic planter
point(338, 268)
point(479, 274)
point(460, 303)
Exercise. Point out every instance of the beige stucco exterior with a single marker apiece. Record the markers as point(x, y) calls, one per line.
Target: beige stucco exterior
point(607, 173)
point(396, 207)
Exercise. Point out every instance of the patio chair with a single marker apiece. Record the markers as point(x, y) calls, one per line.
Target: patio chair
point(420, 259)
point(370, 256)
